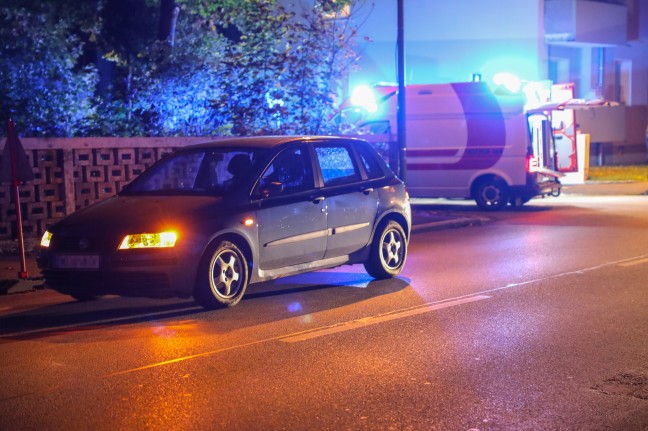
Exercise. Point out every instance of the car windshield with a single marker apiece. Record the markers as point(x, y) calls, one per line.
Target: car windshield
point(213, 171)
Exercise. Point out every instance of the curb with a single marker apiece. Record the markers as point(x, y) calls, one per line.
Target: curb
point(10, 287)
point(450, 224)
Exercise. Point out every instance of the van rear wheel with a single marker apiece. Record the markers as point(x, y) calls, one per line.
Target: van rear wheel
point(491, 194)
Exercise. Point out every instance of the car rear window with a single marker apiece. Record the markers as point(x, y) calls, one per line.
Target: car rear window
point(370, 162)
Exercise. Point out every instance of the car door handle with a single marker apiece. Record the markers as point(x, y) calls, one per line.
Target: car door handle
point(318, 199)
point(367, 190)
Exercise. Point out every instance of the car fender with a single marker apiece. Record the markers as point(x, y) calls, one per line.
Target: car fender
point(243, 237)
point(395, 214)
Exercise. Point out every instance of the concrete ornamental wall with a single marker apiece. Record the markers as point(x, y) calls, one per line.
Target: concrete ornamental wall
point(71, 173)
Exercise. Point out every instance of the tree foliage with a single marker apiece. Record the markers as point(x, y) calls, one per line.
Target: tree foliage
point(228, 67)
point(42, 86)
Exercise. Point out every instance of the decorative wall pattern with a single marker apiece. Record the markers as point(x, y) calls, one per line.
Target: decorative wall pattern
point(73, 173)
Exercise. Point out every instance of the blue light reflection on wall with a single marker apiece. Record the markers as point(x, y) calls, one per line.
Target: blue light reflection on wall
point(436, 62)
point(449, 41)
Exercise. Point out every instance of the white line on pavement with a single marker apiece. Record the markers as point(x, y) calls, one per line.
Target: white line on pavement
point(372, 320)
point(634, 262)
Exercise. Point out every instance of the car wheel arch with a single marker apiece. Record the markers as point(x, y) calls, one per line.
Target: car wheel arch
point(235, 238)
point(388, 251)
point(486, 177)
point(386, 218)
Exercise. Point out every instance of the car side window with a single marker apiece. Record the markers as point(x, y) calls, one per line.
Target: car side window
point(336, 165)
point(289, 172)
point(371, 165)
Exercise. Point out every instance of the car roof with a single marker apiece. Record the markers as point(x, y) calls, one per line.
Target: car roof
point(263, 141)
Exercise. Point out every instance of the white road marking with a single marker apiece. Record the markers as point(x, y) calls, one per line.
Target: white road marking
point(633, 262)
point(380, 318)
point(318, 332)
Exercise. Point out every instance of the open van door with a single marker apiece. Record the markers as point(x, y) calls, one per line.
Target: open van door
point(542, 165)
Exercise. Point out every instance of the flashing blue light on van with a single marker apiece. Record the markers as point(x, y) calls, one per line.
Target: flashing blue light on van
point(364, 97)
point(509, 81)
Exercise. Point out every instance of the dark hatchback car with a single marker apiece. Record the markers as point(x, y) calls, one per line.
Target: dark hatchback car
point(210, 219)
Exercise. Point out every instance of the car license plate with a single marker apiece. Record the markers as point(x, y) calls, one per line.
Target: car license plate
point(76, 261)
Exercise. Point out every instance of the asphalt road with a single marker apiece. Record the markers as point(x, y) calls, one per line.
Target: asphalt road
point(534, 321)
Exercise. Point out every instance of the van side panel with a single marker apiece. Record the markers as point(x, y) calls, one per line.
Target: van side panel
point(458, 132)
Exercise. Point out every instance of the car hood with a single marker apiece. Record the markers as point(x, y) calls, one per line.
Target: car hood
point(134, 214)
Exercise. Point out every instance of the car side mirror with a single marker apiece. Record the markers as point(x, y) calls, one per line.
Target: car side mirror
point(272, 189)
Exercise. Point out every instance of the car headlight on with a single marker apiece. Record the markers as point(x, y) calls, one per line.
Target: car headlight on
point(45, 239)
point(149, 240)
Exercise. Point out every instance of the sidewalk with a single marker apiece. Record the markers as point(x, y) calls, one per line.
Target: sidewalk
point(10, 281)
point(603, 188)
point(422, 219)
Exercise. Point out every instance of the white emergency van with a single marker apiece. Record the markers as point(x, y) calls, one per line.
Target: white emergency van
point(465, 141)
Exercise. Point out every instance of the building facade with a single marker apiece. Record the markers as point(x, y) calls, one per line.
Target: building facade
point(599, 46)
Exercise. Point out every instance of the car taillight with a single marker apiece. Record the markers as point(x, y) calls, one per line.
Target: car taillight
point(531, 163)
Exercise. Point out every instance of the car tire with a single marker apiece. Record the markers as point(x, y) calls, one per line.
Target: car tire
point(491, 194)
point(222, 277)
point(388, 251)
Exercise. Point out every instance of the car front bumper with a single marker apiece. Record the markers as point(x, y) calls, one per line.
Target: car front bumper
point(156, 274)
